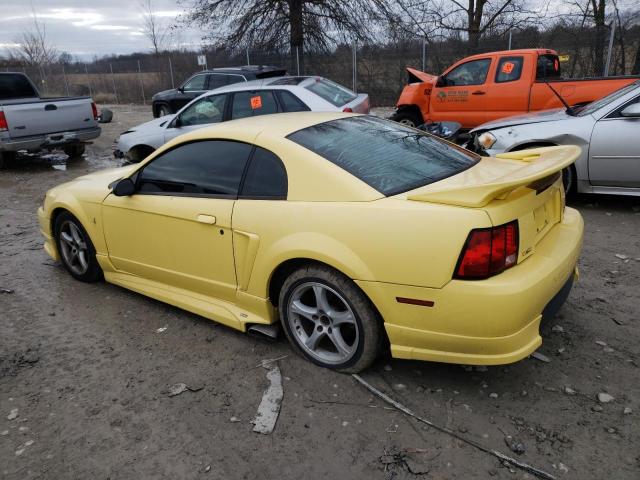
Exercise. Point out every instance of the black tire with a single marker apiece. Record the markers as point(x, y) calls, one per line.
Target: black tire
point(569, 180)
point(74, 151)
point(106, 116)
point(407, 117)
point(366, 345)
point(93, 272)
point(164, 110)
point(7, 159)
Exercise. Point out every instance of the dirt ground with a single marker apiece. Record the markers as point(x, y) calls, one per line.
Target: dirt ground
point(86, 371)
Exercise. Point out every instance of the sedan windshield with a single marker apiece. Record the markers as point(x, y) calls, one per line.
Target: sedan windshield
point(387, 156)
point(604, 101)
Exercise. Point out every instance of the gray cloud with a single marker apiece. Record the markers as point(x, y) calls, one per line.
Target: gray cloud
point(87, 28)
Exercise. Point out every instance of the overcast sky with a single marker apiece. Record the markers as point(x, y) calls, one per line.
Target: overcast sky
point(88, 27)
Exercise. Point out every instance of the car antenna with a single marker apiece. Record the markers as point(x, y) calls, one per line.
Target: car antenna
point(564, 102)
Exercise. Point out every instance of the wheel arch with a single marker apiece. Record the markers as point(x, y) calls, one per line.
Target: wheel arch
point(156, 107)
point(88, 220)
point(139, 152)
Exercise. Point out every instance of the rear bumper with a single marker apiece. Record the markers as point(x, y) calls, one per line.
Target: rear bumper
point(52, 140)
point(486, 322)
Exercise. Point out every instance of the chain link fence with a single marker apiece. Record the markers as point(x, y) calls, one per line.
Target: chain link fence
point(375, 69)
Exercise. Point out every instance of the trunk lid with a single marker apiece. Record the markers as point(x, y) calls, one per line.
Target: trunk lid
point(49, 116)
point(525, 185)
point(360, 104)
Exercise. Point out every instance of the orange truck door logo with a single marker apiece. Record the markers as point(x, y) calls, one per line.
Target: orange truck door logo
point(442, 96)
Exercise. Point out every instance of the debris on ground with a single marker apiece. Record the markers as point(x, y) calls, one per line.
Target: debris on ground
point(178, 388)
point(269, 408)
point(499, 455)
point(621, 256)
point(234, 419)
point(605, 398)
point(397, 461)
point(13, 414)
point(569, 391)
point(541, 357)
point(6, 290)
point(515, 445)
point(162, 329)
point(627, 411)
point(557, 328)
point(265, 363)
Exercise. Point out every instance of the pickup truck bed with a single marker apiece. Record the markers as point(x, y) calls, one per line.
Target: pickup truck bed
point(29, 122)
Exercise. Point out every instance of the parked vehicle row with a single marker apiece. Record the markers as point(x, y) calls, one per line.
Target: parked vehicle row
point(240, 100)
point(32, 123)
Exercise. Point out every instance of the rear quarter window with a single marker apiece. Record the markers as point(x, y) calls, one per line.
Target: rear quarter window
point(335, 94)
point(15, 86)
point(387, 156)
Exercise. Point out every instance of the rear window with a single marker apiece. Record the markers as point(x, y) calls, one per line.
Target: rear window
point(333, 93)
point(548, 67)
point(15, 85)
point(387, 156)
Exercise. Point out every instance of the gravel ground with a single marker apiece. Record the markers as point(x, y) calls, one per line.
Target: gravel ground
point(84, 375)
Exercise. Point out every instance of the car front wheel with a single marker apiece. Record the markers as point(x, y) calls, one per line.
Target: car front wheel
point(76, 251)
point(164, 110)
point(328, 319)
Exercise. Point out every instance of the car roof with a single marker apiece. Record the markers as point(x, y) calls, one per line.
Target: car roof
point(244, 69)
point(272, 82)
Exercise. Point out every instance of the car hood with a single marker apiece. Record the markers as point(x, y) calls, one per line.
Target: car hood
point(535, 117)
point(164, 94)
point(152, 124)
point(92, 188)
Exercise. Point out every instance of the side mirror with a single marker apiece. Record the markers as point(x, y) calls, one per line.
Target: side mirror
point(441, 82)
point(632, 110)
point(181, 89)
point(124, 188)
point(176, 122)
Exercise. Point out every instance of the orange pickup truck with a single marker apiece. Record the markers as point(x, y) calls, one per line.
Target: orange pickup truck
point(489, 86)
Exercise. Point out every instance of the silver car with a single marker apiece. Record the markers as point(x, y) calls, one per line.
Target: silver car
point(240, 100)
point(607, 130)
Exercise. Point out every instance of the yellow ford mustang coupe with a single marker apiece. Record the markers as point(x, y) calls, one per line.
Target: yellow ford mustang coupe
point(354, 232)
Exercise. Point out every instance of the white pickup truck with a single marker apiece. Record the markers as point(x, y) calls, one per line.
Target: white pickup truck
point(29, 122)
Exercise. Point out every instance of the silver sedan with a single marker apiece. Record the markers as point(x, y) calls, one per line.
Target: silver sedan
point(240, 100)
point(607, 130)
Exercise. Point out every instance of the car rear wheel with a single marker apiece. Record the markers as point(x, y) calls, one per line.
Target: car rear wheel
point(76, 251)
point(329, 320)
point(74, 151)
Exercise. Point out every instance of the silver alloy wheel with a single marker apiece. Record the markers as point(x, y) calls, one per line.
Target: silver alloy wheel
point(74, 248)
point(323, 323)
point(164, 111)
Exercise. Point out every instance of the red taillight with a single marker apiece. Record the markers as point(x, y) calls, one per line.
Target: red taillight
point(488, 251)
point(4, 126)
point(348, 109)
point(94, 108)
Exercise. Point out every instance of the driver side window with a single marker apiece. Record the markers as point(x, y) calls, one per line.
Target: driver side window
point(470, 73)
point(195, 84)
point(204, 111)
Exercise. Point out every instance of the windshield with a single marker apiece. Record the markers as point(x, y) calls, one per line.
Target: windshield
point(604, 101)
point(330, 91)
point(387, 156)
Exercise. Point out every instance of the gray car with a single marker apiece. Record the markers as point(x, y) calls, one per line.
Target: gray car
point(607, 130)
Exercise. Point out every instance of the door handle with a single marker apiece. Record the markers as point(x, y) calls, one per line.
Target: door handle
point(208, 219)
point(478, 92)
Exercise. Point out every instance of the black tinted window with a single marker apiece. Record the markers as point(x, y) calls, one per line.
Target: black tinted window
point(548, 67)
point(291, 103)
point(388, 156)
point(14, 85)
point(196, 83)
point(248, 104)
point(266, 176)
point(509, 69)
point(470, 73)
point(217, 80)
point(211, 167)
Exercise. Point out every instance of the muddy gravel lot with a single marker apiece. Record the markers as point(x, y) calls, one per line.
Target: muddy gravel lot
point(85, 371)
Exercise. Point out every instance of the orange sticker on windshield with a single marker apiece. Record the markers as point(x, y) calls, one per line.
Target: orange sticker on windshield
point(507, 67)
point(256, 102)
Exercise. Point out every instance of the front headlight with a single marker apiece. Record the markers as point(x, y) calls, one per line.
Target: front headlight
point(486, 140)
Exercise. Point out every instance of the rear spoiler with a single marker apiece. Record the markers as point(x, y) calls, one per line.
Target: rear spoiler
point(416, 76)
point(477, 186)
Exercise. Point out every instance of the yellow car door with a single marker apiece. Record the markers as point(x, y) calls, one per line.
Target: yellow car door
point(175, 228)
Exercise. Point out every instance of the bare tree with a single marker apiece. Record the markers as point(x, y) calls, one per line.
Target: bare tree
point(276, 24)
point(156, 31)
point(34, 48)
